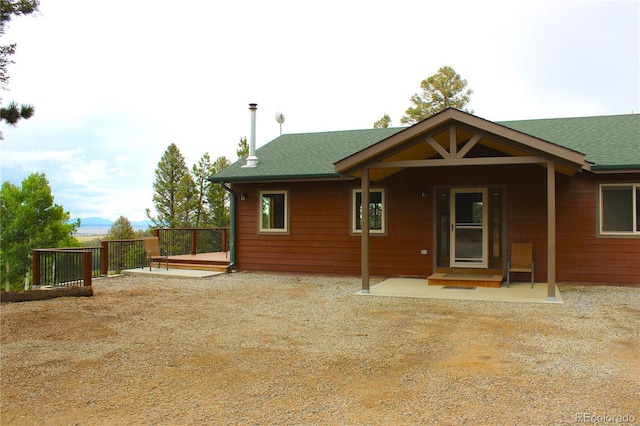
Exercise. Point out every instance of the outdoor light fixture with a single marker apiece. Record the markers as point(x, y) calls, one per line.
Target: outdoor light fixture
point(243, 196)
point(424, 193)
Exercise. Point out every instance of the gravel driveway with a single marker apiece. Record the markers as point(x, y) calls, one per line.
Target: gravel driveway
point(272, 349)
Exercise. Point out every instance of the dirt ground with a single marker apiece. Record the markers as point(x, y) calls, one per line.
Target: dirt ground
point(270, 349)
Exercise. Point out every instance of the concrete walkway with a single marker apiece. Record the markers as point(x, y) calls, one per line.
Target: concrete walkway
point(418, 288)
point(172, 273)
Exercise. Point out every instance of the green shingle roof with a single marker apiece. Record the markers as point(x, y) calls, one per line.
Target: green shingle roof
point(609, 142)
point(304, 155)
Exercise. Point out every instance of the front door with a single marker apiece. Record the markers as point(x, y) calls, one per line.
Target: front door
point(469, 227)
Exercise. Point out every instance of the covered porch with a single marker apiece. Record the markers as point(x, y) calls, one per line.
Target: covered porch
point(470, 236)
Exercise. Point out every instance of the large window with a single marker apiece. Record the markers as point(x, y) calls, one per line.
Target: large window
point(620, 209)
point(274, 211)
point(377, 211)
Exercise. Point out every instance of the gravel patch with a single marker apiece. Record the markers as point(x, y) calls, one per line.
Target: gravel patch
point(281, 349)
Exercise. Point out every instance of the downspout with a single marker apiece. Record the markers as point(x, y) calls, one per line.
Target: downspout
point(232, 205)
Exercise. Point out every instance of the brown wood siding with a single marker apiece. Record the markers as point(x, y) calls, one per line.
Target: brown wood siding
point(315, 242)
point(582, 256)
point(319, 239)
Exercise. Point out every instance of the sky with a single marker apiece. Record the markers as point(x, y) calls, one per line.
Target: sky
point(115, 82)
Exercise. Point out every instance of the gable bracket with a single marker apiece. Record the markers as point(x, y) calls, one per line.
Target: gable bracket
point(469, 145)
point(439, 149)
point(453, 142)
point(453, 145)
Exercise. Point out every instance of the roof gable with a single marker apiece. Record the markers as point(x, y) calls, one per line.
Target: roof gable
point(447, 138)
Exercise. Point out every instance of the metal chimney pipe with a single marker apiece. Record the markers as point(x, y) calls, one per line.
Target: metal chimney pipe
point(252, 160)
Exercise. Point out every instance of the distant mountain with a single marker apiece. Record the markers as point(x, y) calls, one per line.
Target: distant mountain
point(93, 221)
point(142, 224)
point(100, 224)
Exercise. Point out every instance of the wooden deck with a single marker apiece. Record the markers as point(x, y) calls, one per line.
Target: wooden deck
point(202, 262)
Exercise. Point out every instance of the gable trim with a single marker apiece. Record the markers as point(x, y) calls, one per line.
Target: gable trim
point(458, 162)
point(453, 119)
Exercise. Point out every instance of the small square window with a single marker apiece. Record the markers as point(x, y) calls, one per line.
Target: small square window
point(274, 211)
point(377, 211)
point(619, 209)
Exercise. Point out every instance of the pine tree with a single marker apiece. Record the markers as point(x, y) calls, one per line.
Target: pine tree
point(9, 8)
point(243, 148)
point(383, 123)
point(201, 172)
point(174, 198)
point(121, 230)
point(218, 198)
point(445, 89)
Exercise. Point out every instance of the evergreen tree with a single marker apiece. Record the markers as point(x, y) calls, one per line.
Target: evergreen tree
point(29, 219)
point(218, 197)
point(187, 201)
point(174, 198)
point(383, 123)
point(445, 89)
point(201, 172)
point(243, 148)
point(121, 230)
point(9, 8)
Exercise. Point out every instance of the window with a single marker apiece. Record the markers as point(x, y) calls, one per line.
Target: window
point(620, 209)
point(377, 211)
point(274, 212)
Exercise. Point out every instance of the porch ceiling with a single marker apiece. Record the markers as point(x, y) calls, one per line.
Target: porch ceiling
point(455, 138)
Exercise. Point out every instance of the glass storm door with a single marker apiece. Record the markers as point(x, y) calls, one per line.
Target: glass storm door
point(469, 228)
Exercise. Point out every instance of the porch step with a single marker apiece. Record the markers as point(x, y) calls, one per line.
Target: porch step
point(466, 280)
point(198, 266)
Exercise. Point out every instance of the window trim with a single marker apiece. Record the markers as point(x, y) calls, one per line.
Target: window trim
point(268, 231)
point(600, 232)
point(385, 208)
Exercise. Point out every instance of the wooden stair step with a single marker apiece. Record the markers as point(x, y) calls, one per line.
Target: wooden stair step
point(466, 280)
point(199, 266)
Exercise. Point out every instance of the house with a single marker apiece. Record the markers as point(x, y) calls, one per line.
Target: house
point(450, 194)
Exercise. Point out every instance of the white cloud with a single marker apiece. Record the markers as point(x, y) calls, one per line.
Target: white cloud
point(115, 82)
point(32, 160)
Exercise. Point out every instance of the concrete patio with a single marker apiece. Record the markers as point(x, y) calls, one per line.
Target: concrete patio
point(419, 288)
point(172, 272)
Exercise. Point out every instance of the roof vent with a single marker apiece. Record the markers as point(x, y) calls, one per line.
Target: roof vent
point(252, 160)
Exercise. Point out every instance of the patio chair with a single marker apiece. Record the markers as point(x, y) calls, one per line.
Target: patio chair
point(521, 260)
point(153, 253)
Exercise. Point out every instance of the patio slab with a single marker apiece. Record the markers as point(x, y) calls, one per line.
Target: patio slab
point(419, 288)
point(172, 273)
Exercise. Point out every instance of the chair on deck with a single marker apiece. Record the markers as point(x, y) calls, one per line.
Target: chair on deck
point(521, 260)
point(153, 253)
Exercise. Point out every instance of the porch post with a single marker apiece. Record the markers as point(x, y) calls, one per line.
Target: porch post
point(364, 237)
point(551, 231)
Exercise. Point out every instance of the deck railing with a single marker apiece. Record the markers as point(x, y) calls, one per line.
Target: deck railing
point(192, 241)
point(76, 266)
point(117, 255)
point(64, 267)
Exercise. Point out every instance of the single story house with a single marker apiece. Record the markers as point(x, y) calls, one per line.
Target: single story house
point(450, 194)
